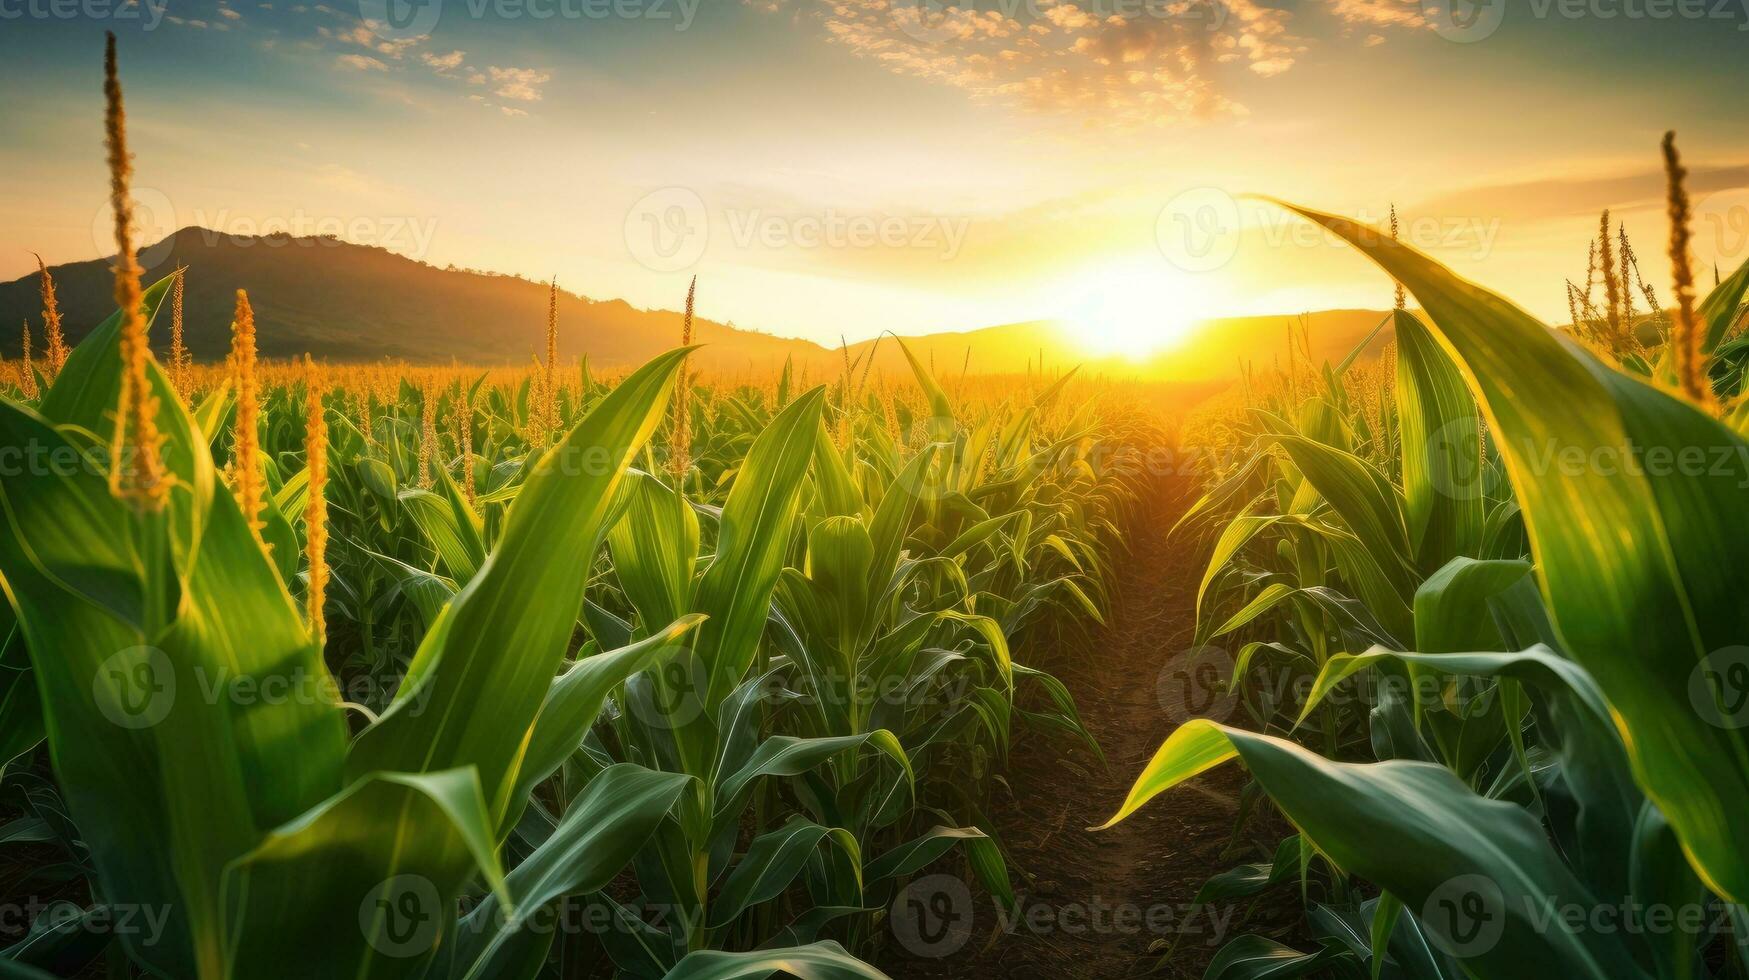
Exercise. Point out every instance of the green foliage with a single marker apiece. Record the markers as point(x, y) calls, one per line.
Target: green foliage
point(1562, 741)
point(755, 700)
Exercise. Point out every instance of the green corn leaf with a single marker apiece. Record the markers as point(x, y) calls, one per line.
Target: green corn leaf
point(180, 615)
point(1719, 310)
point(1576, 721)
point(757, 521)
point(1451, 607)
point(655, 548)
point(1634, 550)
point(786, 755)
point(1364, 499)
point(602, 829)
point(941, 424)
point(818, 961)
point(454, 539)
point(482, 671)
point(1259, 958)
point(577, 697)
point(838, 492)
point(88, 389)
point(1479, 873)
point(1442, 449)
point(21, 709)
point(381, 911)
point(772, 862)
point(915, 855)
point(1251, 880)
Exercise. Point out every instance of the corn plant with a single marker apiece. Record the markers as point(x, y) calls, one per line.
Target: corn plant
point(1560, 738)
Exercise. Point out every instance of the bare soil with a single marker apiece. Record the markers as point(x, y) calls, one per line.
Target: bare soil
point(1117, 903)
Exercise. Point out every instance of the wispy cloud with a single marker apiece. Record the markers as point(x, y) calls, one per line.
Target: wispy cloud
point(388, 52)
point(1379, 13)
point(518, 84)
point(1133, 63)
point(361, 62)
point(443, 63)
point(1570, 197)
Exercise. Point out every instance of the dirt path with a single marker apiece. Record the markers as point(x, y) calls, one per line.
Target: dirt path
point(1112, 904)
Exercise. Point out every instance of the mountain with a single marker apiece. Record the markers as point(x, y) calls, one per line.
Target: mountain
point(346, 302)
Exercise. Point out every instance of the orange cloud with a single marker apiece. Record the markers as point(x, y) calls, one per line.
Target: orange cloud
point(1137, 62)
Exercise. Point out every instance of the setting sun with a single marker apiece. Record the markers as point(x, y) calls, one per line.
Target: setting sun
point(1135, 309)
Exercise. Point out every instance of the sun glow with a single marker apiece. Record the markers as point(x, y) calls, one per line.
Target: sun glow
point(1135, 310)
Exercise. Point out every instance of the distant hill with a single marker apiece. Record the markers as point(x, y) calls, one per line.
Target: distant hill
point(1212, 353)
point(345, 302)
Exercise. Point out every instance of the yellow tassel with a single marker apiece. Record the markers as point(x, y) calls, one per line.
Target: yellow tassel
point(680, 456)
point(316, 508)
point(57, 352)
point(246, 436)
point(1687, 340)
point(136, 471)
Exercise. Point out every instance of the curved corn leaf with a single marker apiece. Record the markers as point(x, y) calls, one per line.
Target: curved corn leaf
point(1441, 433)
point(772, 862)
point(482, 671)
point(1257, 958)
point(1635, 556)
point(1480, 873)
point(381, 911)
point(655, 548)
point(756, 525)
point(602, 829)
point(577, 696)
point(818, 961)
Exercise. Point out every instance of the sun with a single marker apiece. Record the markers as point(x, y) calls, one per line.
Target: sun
point(1133, 310)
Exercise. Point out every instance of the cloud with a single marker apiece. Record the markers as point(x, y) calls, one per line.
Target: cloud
point(443, 63)
point(518, 84)
point(1151, 62)
point(1568, 197)
point(361, 62)
point(364, 36)
point(1378, 13)
point(371, 51)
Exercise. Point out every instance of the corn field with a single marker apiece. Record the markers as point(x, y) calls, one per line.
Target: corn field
point(1488, 627)
point(542, 653)
point(399, 670)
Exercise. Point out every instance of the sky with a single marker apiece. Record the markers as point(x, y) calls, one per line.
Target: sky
point(835, 168)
